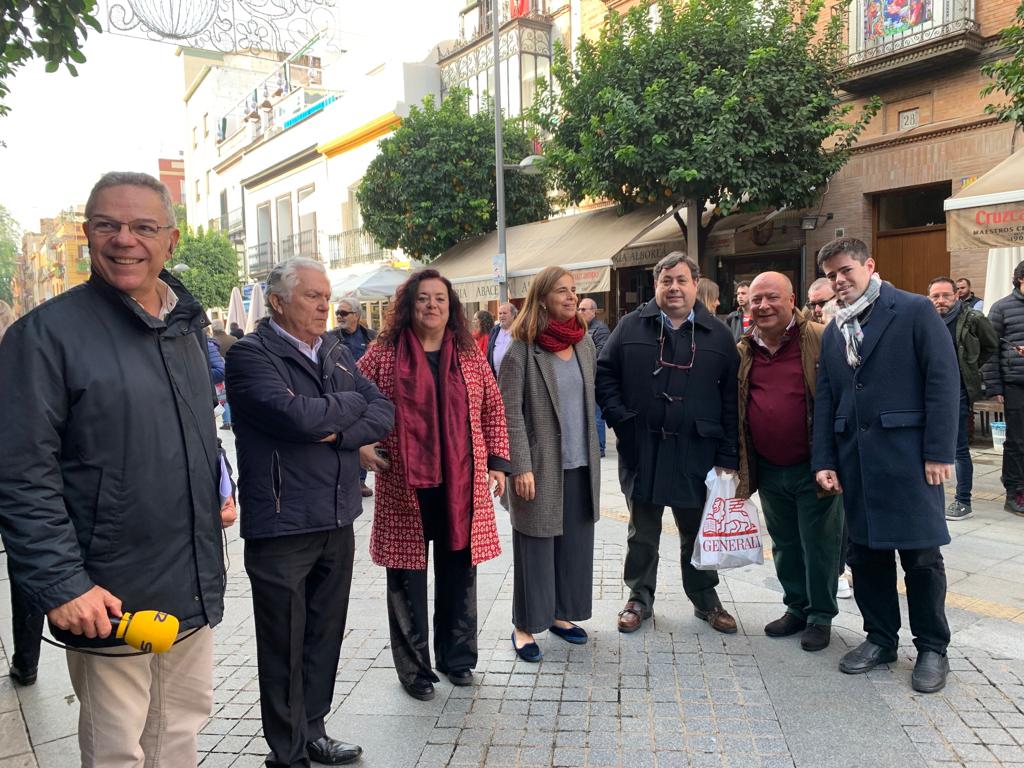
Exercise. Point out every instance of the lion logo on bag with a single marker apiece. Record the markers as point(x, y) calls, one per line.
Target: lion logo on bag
point(728, 518)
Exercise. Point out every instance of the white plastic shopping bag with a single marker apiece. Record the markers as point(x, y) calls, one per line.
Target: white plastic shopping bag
point(729, 535)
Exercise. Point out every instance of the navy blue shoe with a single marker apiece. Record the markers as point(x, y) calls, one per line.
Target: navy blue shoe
point(575, 635)
point(529, 652)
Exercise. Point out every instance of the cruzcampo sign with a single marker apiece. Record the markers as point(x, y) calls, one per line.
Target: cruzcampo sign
point(989, 213)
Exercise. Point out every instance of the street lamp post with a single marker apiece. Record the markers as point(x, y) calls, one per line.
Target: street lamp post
point(500, 260)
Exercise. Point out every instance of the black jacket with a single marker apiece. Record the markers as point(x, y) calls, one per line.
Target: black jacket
point(599, 333)
point(357, 341)
point(666, 448)
point(735, 322)
point(282, 406)
point(1006, 366)
point(109, 470)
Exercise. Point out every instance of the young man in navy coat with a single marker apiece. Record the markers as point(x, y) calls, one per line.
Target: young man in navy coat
point(885, 424)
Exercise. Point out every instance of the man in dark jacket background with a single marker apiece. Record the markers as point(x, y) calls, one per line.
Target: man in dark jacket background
point(975, 342)
point(599, 334)
point(110, 477)
point(884, 435)
point(1004, 381)
point(301, 412)
point(739, 320)
point(666, 383)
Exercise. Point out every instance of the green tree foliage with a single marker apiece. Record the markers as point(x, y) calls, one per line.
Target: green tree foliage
point(432, 184)
point(213, 266)
point(1008, 74)
point(10, 247)
point(730, 101)
point(52, 30)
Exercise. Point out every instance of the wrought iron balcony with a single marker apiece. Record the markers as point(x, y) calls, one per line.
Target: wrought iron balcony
point(262, 258)
point(355, 246)
point(890, 41)
point(302, 244)
point(476, 20)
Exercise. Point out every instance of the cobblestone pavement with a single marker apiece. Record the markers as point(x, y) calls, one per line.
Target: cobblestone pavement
point(675, 693)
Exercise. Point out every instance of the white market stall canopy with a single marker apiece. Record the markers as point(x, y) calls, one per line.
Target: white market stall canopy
point(377, 284)
point(583, 243)
point(990, 212)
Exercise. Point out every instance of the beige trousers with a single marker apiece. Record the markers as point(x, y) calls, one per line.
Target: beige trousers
point(143, 711)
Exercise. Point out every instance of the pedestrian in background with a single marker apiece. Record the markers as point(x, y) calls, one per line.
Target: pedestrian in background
point(302, 411)
point(357, 337)
point(547, 383)
point(500, 336)
point(224, 341)
point(707, 294)
point(236, 331)
point(777, 376)
point(975, 341)
point(26, 623)
point(436, 472)
point(965, 293)
point(1004, 382)
point(739, 319)
point(819, 294)
point(599, 334)
point(884, 434)
point(666, 382)
point(483, 324)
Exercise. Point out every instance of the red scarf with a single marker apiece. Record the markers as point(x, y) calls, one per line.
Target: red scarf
point(422, 415)
point(561, 334)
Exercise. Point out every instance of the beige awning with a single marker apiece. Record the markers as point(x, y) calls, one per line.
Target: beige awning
point(990, 212)
point(584, 244)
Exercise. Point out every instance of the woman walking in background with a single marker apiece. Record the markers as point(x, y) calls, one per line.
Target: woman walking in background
point(547, 382)
point(481, 327)
point(435, 474)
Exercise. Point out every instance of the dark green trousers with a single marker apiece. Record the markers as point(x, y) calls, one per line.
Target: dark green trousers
point(641, 568)
point(806, 539)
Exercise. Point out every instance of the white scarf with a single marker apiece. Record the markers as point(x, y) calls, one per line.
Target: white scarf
point(849, 325)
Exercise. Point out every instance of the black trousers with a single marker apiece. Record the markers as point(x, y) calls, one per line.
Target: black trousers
point(553, 576)
point(455, 642)
point(641, 568)
point(874, 587)
point(300, 590)
point(27, 626)
point(1013, 449)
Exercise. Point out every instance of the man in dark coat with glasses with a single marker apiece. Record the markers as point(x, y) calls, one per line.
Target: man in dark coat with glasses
point(666, 383)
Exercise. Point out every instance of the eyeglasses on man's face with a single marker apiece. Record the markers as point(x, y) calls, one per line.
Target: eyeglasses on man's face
point(818, 304)
point(341, 314)
point(104, 227)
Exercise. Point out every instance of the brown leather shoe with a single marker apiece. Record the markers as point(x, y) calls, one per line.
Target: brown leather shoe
point(632, 616)
point(718, 618)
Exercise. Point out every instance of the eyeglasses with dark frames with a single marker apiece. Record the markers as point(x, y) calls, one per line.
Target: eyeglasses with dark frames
point(663, 363)
point(819, 304)
point(100, 225)
point(343, 313)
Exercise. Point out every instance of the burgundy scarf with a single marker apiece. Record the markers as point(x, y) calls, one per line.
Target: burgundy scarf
point(422, 415)
point(561, 334)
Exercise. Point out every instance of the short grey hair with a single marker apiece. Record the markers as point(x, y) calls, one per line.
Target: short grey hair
point(132, 179)
point(512, 308)
point(217, 326)
point(353, 306)
point(820, 284)
point(674, 259)
point(285, 276)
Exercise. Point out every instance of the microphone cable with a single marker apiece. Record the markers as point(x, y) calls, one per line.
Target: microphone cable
point(93, 652)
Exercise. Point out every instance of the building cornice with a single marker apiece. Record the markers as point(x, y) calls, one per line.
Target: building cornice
point(364, 134)
point(299, 159)
point(917, 135)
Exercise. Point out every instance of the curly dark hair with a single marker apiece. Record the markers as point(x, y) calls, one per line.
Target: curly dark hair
point(399, 313)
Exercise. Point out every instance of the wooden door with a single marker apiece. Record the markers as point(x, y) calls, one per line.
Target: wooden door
point(912, 258)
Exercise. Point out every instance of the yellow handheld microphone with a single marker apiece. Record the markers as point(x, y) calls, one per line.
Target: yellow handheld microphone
point(150, 631)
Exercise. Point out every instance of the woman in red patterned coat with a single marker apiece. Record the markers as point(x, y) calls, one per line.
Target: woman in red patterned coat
point(436, 472)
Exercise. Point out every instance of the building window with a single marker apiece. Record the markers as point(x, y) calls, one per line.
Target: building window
point(206, 124)
point(197, 190)
point(207, 183)
point(194, 143)
point(879, 23)
point(911, 208)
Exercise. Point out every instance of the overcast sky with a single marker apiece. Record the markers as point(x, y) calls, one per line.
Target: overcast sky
point(125, 109)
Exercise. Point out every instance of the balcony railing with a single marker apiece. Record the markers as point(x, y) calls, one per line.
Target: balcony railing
point(303, 244)
point(475, 24)
point(950, 34)
point(355, 246)
point(262, 258)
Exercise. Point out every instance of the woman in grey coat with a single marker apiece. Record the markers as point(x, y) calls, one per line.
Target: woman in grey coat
point(547, 383)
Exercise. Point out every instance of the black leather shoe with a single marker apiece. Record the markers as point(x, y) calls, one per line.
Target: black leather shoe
point(816, 637)
point(788, 625)
point(421, 691)
point(461, 677)
point(26, 678)
point(930, 672)
point(865, 657)
point(333, 752)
